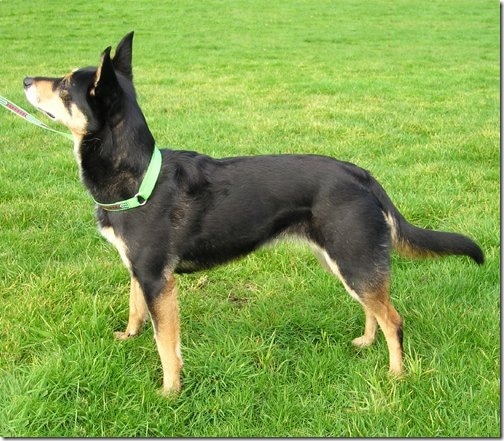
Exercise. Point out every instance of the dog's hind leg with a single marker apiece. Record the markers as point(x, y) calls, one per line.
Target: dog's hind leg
point(373, 295)
point(137, 312)
point(377, 302)
point(352, 240)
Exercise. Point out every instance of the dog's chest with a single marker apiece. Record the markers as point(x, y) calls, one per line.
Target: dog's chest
point(109, 234)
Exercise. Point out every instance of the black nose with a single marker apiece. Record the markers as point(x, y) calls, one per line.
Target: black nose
point(27, 82)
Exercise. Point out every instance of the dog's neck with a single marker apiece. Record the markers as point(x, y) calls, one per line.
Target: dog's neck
point(113, 161)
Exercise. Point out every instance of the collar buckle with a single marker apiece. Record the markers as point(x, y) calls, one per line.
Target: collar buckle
point(140, 199)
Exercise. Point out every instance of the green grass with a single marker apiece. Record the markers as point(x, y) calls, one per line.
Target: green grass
point(406, 89)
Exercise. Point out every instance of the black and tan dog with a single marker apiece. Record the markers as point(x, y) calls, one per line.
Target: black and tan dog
point(202, 212)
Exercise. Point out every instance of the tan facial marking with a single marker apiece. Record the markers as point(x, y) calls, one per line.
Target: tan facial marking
point(45, 96)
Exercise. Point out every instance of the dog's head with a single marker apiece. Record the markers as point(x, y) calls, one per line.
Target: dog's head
point(86, 99)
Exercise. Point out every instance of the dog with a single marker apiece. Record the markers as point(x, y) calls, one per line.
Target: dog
point(198, 212)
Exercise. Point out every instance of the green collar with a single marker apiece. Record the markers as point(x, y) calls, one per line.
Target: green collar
point(146, 187)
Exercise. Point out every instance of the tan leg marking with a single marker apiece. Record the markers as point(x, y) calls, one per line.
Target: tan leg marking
point(137, 312)
point(165, 317)
point(369, 330)
point(378, 303)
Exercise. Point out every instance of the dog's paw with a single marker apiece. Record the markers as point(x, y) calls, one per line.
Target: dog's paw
point(362, 342)
point(171, 388)
point(170, 394)
point(396, 373)
point(122, 335)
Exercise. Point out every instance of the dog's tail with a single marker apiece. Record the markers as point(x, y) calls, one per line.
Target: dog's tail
point(412, 241)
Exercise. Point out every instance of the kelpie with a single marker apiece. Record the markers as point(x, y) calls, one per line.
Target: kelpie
point(181, 211)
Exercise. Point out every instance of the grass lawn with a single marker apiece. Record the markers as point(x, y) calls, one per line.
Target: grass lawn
point(408, 90)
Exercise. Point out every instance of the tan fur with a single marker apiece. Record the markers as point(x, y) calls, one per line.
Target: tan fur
point(165, 318)
point(137, 312)
point(369, 330)
point(377, 303)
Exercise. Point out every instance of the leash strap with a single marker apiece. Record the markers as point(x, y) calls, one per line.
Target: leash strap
point(9, 105)
point(146, 187)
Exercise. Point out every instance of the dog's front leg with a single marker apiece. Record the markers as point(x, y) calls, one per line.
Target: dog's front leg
point(163, 308)
point(137, 312)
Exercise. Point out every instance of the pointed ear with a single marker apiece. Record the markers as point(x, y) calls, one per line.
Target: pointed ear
point(105, 77)
point(106, 89)
point(123, 56)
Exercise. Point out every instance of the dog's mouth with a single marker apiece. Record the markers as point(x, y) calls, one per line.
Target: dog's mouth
point(50, 115)
point(45, 112)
